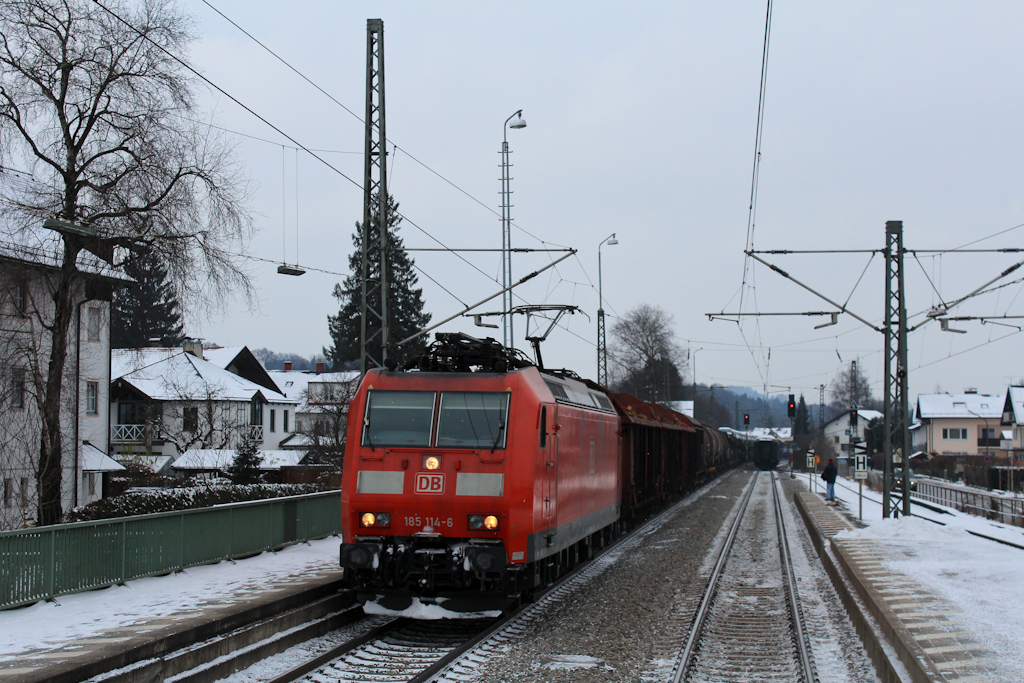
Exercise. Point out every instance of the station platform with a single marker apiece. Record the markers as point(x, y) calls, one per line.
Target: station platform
point(86, 634)
point(911, 587)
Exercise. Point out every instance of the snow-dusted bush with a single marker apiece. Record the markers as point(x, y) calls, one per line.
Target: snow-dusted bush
point(167, 500)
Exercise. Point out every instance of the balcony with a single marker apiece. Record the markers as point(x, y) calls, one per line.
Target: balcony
point(256, 433)
point(133, 433)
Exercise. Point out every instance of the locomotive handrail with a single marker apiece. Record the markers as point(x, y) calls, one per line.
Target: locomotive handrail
point(44, 562)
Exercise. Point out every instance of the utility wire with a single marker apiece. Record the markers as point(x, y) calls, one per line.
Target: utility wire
point(358, 118)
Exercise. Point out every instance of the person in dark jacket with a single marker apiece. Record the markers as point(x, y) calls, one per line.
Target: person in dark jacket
point(829, 475)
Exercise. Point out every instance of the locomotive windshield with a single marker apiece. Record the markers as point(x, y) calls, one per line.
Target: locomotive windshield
point(398, 418)
point(472, 420)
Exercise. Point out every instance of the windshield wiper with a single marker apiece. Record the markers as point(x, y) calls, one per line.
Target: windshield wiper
point(369, 439)
point(497, 438)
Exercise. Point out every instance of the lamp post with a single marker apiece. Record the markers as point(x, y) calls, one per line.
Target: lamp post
point(602, 348)
point(506, 234)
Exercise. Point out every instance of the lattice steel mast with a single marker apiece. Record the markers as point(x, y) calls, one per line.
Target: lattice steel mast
point(374, 319)
point(897, 408)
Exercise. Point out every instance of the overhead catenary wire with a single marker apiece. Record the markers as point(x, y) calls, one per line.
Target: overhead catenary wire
point(323, 161)
point(359, 118)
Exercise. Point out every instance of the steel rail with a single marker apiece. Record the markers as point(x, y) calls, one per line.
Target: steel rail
point(332, 654)
point(709, 592)
point(799, 631)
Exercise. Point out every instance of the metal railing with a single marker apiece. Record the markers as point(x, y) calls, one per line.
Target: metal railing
point(44, 562)
point(256, 432)
point(997, 508)
point(136, 433)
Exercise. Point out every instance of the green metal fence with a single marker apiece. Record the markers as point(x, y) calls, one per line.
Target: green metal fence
point(42, 563)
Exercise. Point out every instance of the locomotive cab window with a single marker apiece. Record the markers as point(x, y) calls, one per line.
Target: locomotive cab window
point(472, 420)
point(398, 418)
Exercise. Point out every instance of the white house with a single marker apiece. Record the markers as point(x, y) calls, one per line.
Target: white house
point(168, 401)
point(29, 263)
point(322, 401)
point(839, 431)
point(959, 424)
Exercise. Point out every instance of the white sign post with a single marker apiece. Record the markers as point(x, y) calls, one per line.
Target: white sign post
point(814, 469)
point(860, 473)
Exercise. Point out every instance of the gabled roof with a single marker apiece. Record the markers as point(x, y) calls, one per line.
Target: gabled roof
point(865, 414)
point(1014, 404)
point(934, 406)
point(175, 375)
point(241, 361)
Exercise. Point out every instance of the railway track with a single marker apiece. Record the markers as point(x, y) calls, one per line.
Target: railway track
point(749, 625)
point(410, 651)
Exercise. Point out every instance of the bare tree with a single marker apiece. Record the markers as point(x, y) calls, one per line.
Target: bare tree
point(100, 115)
point(646, 359)
point(850, 386)
point(326, 420)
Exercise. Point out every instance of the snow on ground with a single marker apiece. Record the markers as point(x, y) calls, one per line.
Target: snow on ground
point(49, 625)
point(982, 579)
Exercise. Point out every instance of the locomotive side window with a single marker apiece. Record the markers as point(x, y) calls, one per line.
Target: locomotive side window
point(398, 418)
point(472, 420)
point(543, 426)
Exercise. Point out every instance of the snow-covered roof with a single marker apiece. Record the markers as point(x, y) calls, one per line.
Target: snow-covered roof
point(175, 375)
point(1014, 404)
point(221, 459)
point(157, 463)
point(294, 384)
point(221, 356)
point(43, 247)
point(93, 459)
point(932, 406)
point(864, 414)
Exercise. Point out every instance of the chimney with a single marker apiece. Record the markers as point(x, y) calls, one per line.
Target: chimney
point(287, 366)
point(319, 367)
point(193, 346)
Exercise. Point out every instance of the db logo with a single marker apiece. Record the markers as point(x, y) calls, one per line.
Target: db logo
point(429, 483)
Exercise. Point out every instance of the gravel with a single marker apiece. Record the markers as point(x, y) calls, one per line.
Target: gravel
point(629, 621)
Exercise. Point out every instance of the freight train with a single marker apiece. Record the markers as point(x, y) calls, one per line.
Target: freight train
point(474, 478)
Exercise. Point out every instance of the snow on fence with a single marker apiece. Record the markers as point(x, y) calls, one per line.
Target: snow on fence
point(999, 508)
point(44, 562)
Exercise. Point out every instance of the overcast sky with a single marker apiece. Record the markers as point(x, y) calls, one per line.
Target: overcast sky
point(641, 121)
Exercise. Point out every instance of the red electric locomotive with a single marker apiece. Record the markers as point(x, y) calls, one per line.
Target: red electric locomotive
point(477, 477)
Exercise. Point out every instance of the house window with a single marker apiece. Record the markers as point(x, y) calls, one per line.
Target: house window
point(89, 482)
point(837, 439)
point(8, 492)
point(18, 388)
point(24, 492)
point(190, 419)
point(92, 398)
point(256, 413)
point(19, 297)
point(954, 434)
point(273, 421)
point(93, 324)
point(284, 423)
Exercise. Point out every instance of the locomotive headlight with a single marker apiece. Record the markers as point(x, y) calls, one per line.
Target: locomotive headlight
point(490, 522)
point(476, 521)
point(431, 462)
point(375, 519)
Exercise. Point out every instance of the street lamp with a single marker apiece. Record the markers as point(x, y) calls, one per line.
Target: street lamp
point(506, 234)
point(602, 348)
point(986, 437)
